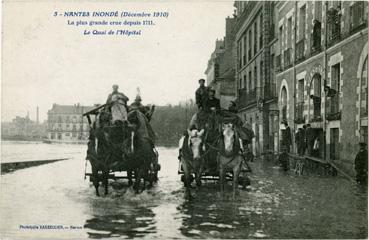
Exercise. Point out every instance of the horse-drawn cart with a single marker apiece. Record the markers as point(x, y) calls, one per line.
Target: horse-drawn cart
point(120, 150)
point(215, 152)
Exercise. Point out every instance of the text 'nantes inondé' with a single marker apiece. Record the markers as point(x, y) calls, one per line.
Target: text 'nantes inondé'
point(119, 23)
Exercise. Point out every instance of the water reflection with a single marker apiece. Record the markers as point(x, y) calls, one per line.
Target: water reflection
point(138, 222)
point(211, 215)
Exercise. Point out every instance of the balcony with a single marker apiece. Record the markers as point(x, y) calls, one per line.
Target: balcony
point(300, 49)
point(299, 114)
point(246, 98)
point(278, 63)
point(333, 112)
point(287, 58)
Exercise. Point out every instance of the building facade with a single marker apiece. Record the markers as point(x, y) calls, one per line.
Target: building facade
point(255, 88)
point(65, 123)
point(321, 74)
point(220, 72)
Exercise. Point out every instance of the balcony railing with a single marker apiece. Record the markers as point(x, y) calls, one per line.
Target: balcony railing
point(299, 116)
point(287, 58)
point(300, 48)
point(278, 63)
point(333, 112)
point(246, 98)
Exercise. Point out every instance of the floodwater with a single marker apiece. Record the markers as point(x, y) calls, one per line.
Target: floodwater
point(276, 205)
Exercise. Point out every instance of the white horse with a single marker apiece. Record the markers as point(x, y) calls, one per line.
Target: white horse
point(192, 148)
point(229, 157)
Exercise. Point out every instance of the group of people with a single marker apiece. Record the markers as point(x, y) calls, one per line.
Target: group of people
point(209, 108)
point(117, 104)
point(305, 139)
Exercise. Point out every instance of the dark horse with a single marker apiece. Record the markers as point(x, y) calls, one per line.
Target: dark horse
point(109, 148)
point(144, 158)
point(119, 147)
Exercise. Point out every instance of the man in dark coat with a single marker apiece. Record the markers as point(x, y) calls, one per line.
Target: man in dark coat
point(310, 137)
point(300, 141)
point(212, 103)
point(286, 138)
point(361, 165)
point(201, 95)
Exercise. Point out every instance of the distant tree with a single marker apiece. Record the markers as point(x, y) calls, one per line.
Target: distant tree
point(169, 122)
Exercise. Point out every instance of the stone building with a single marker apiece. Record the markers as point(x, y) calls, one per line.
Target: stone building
point(321, 73)
point(65, 123)
point(256, 89)
point(220, 72)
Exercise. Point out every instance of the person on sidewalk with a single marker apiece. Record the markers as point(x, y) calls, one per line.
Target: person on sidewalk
point(361, 165)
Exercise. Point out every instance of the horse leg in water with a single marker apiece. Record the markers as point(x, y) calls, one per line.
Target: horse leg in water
point(198, 176)
point(222, 177)
point(106, 180)
point(129, 176)
point(236, 174)
point(187, 174)
point(138, 177)
point(95, 178)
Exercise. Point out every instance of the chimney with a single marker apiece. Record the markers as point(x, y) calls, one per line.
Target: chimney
point(37, 116)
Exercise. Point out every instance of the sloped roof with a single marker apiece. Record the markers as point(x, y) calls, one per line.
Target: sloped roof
point(69, 109)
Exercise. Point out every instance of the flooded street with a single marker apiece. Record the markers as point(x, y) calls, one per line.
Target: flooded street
point(277, 205)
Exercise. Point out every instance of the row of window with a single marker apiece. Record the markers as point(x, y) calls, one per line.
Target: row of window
point(333, 93)
point(68, 126)
point(59, 136)
point(250, 83)
point(250, 42)
point(66, 119)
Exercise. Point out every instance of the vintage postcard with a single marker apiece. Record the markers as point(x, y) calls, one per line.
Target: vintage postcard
point(184, 119)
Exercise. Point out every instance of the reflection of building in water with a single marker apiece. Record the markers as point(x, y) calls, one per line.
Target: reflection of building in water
point(65, 123)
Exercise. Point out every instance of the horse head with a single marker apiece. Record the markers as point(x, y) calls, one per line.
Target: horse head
point(195, 141)
point(228, 136)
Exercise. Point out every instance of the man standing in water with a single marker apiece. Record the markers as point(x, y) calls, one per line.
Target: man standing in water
point(118, 105)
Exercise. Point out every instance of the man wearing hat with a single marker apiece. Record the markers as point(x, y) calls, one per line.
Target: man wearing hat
point(137, 105)
point(118, 105)
point(361, 164)
point(201, 95)
point(212, 103)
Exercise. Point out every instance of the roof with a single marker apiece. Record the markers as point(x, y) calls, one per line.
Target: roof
point(69, 109)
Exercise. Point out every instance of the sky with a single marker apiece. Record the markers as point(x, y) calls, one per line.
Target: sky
point(46, 61)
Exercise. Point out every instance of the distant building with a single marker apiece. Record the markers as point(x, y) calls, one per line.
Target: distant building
point(65, 123)
point(220, 72)
point(22, 128)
